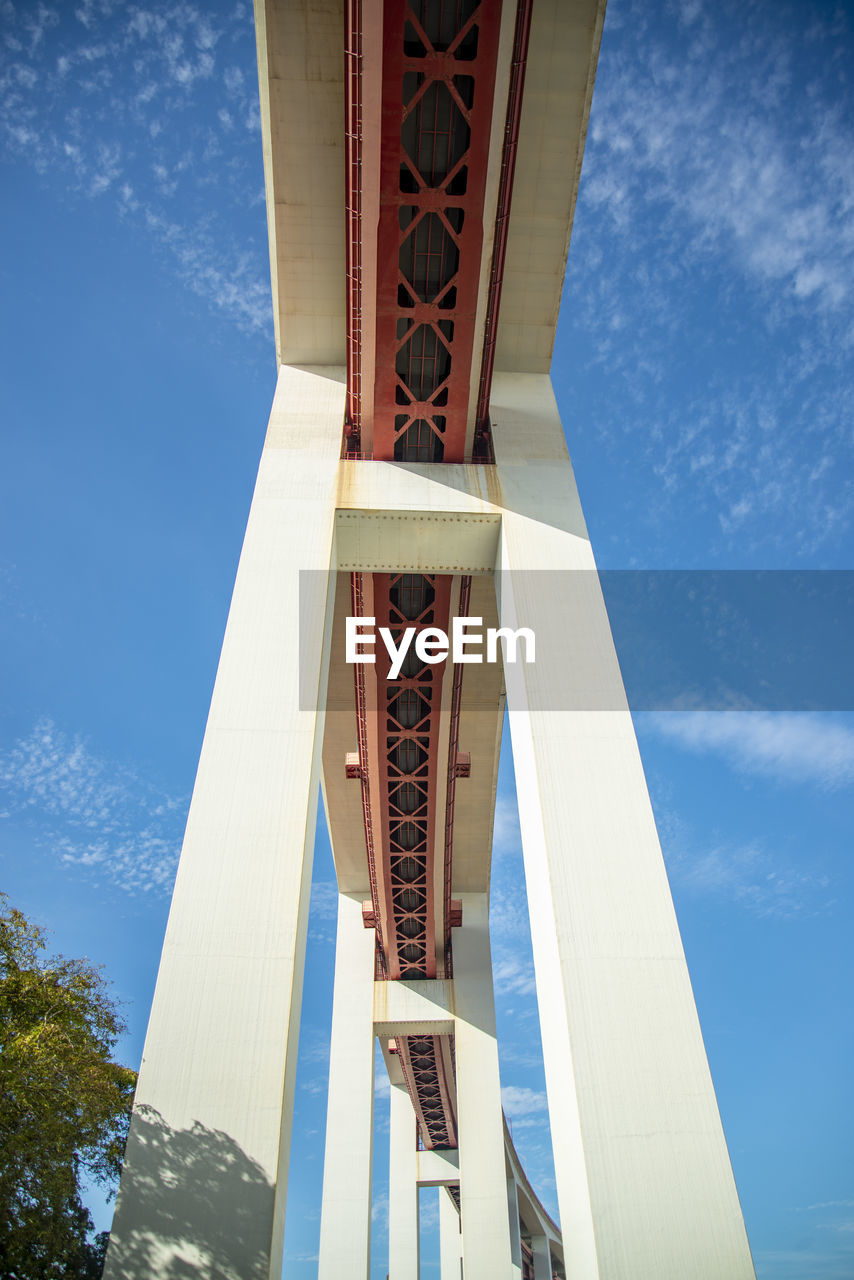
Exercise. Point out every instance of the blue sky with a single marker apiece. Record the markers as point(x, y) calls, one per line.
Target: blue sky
point(703, 372)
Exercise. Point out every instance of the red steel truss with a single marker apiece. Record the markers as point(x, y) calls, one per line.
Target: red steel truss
point(401, 729)
point(413, 404)
point(439, 69)
point(438, 72)
point(353, 153)
point(427, 1063)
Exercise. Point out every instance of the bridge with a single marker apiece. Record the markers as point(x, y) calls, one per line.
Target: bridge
point(422, 159)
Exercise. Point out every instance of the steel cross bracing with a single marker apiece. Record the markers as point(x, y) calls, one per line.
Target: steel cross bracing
point(438, 72)
point(400, 736)
point(439, 62)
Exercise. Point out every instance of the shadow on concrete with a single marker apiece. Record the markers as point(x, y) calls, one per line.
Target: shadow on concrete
point(191, 1204)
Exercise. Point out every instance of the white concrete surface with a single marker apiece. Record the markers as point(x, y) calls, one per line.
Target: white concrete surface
point(404, 1246)
point(542, 1258)
point(483, 1188)
point(643, 1176)
point(345, 1219)
point(562, 54)
point(438, 1168)
point(412, 1008)
point(301, 79)
point(450, 1239)
point(515, 1234)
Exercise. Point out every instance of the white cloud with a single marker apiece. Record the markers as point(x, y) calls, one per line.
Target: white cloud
point(711, 279)
point(513, 974)
point(519, 1101)
point(506, 835)
point(91, 813)
point(324, 900)
point(787, 746)
point(379, 1210)
point(508, 907)
point(706, 141)
point(749, 876)
point(382, 1084)
point(110, 98)
point(233, 80)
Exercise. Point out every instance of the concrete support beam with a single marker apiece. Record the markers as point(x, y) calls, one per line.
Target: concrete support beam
point(404, 1245)
point(483, 1187)
point(450, 1239)
point(515, 1232)
point(443, 540)
point(413, 1008)
point(345, 1221)
point(643, 1177)
point(542, 1258)
point(438, 1168)
point(227, 1005)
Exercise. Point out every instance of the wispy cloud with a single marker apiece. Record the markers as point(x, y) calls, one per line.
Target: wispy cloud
point(519, 1101)
point(151, 109)
point(789, 747)
point(711, 279)
point(324, 900)
point(506, 836)
point(750, 876)
point(509, 927)
point(379, 1211)
point(90, 813)
point(513, 974)
point(650, 146)
point(762, 874)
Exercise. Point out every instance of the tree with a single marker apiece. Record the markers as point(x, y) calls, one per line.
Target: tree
point(64, 1104)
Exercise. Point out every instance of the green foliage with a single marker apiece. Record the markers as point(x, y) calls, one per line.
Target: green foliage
point(64, 1104)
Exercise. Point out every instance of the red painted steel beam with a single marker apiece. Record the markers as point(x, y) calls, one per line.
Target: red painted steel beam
point(412, 296)
point(436, 102)
point(427, 1063)
point(399, 723)
point(521, 36)
point(353, 187)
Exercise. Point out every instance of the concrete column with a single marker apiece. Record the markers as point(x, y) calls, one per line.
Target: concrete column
point(643, 1176)
point(542, 1258)
point(515, 1232)
point(483, 1187)
point(450, 1239)
point(205, 1176)
point(345, 1220)
point(404, 1245)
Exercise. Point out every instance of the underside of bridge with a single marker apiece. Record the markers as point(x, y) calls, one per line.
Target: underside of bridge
point(433, 95)
point(422, 160)
point(430, 125)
